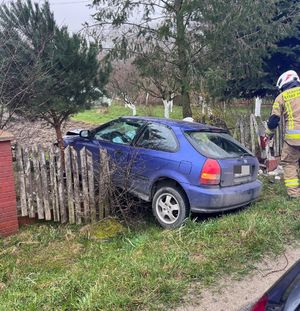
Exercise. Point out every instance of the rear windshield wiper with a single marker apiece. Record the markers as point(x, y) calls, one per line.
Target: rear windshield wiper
point(245, 154)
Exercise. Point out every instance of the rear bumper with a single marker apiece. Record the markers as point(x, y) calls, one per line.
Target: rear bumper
point(210, 200)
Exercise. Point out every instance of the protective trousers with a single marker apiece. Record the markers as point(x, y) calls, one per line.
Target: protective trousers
point(290, 161)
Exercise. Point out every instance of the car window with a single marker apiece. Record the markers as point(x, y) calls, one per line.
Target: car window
point(158, 137)
point(119, 131)
point(216, 145)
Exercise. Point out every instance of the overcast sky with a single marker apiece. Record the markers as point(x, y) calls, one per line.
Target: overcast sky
point(72, 13)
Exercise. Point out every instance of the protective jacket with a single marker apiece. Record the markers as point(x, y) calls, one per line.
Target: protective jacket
point(287, 105)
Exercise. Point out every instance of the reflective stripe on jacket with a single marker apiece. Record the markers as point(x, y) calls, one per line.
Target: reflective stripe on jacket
point(287, 104)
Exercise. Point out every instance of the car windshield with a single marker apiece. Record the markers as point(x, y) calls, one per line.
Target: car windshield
point(119, 131)
point(216, 145)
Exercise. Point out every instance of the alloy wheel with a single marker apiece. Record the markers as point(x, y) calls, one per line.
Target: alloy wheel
point(167, 208)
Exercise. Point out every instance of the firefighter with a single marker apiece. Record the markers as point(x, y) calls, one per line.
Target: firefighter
point(287, 106)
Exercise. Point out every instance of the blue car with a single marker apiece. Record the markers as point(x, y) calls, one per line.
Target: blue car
point(284, 295)
point(180, 167)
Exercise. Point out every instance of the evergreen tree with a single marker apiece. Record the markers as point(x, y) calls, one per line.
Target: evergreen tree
point(72, 76)
point(260, 73)
point(19, 69)
point(284, 56)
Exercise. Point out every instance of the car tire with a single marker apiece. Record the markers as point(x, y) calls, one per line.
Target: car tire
point(170, 207)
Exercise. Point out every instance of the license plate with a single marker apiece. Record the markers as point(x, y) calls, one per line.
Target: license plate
point(241, 170)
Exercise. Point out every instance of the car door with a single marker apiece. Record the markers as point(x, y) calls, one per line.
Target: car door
point(154, 152)
point(117, 138)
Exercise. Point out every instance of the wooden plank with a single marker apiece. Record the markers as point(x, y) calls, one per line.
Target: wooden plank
point(247, 133)
point(85, 189)
point(54, 185)
point(104, 185)
point(28, 182)
point(242, 132)
point(257, 132)
point(91, 183)
point(75, 169)
point(22, 184)
point(237, 126)
point(44, 179)
point(61, 188)
point(252, 134)
point(37, 183)
point(69, 181)
point(101, 204)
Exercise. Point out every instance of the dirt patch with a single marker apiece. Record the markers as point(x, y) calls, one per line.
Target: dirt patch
point(28, 133)
point(238, 295)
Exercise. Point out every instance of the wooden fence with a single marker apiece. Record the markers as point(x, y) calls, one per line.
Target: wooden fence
point(72, 188)
point(248, 130)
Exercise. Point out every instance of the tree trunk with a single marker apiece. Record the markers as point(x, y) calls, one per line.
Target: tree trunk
point(167, 105)
point(186, 105)
point(258, 102)
point(60, 141)
point(134, 110)
point(183, 59)
point(132, 107)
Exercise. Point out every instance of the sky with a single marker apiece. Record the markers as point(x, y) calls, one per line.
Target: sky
point(72, 13)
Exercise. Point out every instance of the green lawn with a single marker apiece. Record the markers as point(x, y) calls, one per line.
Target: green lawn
point(56, 267)
point(94, 116)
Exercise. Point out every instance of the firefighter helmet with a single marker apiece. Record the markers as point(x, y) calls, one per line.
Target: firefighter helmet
point(287, 77)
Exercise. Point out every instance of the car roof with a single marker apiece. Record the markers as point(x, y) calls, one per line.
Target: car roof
point(184, 125)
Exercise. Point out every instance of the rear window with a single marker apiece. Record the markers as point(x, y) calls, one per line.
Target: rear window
point(216, 145)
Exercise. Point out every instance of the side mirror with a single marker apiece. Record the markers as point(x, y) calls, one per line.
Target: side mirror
point(85, 134)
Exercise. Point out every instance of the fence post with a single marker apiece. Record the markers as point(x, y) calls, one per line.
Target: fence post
point(252, 134)
point(104, 185)
point(8, 205)
point(21, 177)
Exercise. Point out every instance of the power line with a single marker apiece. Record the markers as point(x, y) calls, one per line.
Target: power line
point(66, 3)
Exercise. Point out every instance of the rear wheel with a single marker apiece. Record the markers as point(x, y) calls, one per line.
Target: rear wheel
point(170, 207)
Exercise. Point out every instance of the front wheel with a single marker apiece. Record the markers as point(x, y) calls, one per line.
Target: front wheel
point(170, 207)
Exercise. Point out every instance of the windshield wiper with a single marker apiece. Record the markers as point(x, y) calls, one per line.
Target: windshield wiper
point(245, 154)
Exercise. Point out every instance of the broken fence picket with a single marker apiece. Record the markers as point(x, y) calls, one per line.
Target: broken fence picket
point(247, 131)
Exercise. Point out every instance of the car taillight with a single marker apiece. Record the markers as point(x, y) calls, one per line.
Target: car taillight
point(211, 173)
point(261, 304)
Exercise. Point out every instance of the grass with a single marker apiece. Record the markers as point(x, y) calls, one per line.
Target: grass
point(56, 267)
point(100, 116)
point(96, 116)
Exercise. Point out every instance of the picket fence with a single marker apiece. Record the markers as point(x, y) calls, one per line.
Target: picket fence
point(249, 129)
point(63, 187)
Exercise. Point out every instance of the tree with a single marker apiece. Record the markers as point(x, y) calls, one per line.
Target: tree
point(254, 73)
point(19, 70)
point(124, 84)
point(158, 77)
point(74, 77)
point(285, 55)
point(201, 40)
